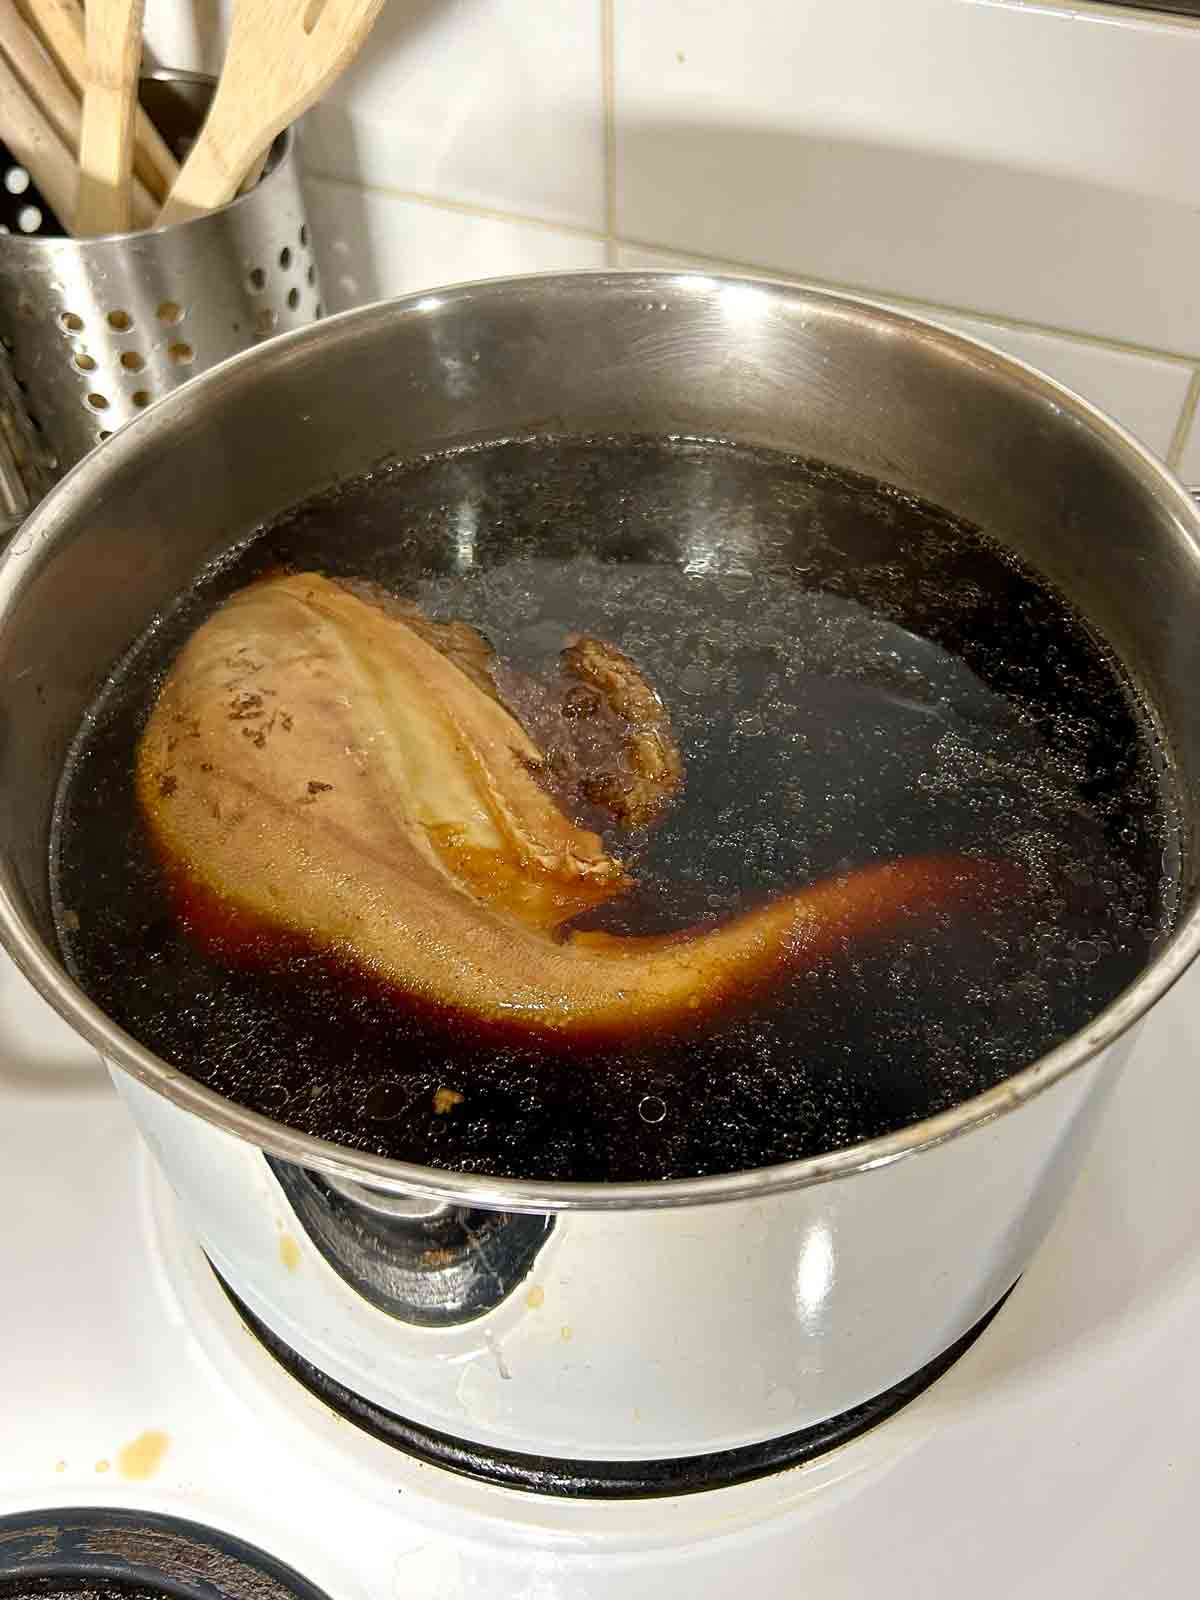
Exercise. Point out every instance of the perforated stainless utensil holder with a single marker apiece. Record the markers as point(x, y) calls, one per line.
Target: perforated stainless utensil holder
point(25, 472)
point(97, 329)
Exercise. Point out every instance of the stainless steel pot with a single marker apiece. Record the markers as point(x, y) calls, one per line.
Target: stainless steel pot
point(603, 1339)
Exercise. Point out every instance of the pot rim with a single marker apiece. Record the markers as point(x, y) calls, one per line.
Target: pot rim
point(45, 971)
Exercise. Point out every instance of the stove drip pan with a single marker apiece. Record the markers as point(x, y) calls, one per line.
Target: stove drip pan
point(91, 1553)
point(602, 1480)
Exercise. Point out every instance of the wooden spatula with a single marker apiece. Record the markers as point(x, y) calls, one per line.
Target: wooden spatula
point(114, 59)
point(282, 56)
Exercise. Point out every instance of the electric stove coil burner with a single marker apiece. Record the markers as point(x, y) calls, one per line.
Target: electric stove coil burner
point(604, 1480)
point(98, 1554)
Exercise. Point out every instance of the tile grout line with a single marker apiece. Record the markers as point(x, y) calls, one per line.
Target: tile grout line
point(608, 69)
point(466, 208)
point(728, 264)
point(1183, 427)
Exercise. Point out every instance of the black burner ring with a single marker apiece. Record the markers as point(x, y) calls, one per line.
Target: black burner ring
point(91, 1553)
point(605, 1480)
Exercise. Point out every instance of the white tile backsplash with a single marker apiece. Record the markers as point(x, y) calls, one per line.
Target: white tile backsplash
point(1029, 162)
point(1141, 392)
point(493, 103)
point(1144, 393)
point(1029, 168)
point(372, 245)
point(497, 104)
point(186, 34)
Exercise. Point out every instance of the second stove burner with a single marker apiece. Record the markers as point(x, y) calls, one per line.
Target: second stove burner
point(90, 1553)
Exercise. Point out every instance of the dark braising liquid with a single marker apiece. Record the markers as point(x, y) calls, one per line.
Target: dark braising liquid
point(852, 675)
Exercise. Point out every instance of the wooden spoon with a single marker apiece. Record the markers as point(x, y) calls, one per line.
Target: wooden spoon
point(282, 56)
point(113, 32)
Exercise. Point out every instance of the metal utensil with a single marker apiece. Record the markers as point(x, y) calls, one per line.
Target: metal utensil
point(281, 57)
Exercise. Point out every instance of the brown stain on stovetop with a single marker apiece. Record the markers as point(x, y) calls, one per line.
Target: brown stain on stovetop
point(141, 1457)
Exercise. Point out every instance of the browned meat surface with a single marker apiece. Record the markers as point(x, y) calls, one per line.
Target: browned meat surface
point(637, 786)
point(324, 767)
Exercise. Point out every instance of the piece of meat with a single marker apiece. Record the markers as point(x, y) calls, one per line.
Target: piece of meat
point(637, 787)
point(458, 641)
point(314, 766)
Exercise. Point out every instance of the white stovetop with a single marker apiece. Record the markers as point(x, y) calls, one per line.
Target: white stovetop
point(1058, 1458)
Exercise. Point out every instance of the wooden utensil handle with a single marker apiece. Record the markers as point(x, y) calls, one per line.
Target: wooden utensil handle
point(32, 141)
point(255, 172)
point(203, 184)
point(105, 162)
point(219, 160)
point(60, 23)
point(113, 36)
point(36, 68)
